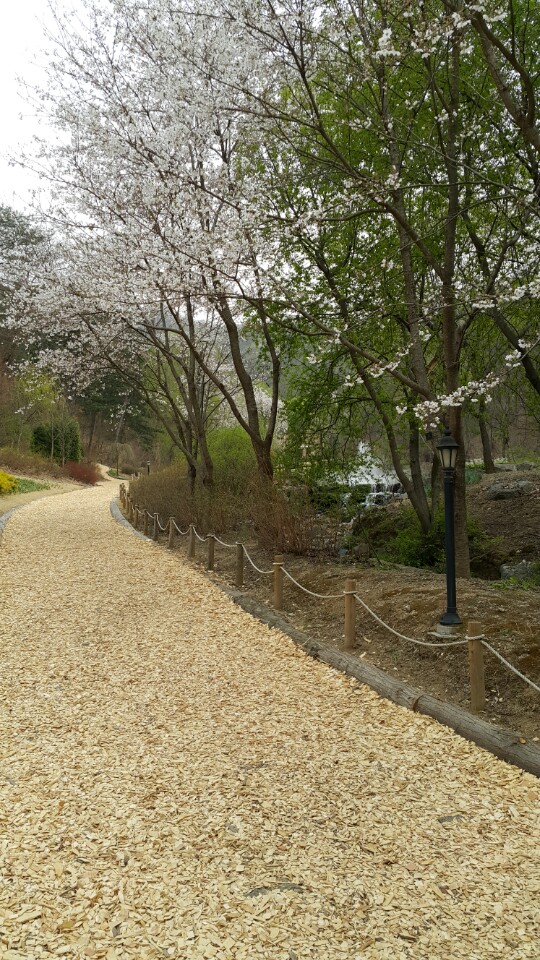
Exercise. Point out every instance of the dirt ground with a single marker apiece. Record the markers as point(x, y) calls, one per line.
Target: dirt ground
point(513, 524)
point(412, 600)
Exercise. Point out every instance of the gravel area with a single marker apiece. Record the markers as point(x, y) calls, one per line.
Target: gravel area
point(179, 780)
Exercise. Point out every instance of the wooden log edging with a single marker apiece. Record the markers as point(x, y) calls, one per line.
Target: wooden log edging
point(504, 744)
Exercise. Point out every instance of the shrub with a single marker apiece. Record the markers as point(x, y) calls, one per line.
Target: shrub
point(398, 537)
point(82, 472)
point(233, 457)
point(284, 519)
point(280, 518)
point(473, 474)
point(8, 484)
point(168, 493)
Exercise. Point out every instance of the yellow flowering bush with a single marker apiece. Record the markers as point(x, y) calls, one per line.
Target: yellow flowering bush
point(7, 483)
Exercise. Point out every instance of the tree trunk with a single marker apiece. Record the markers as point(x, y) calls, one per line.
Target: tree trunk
point(92, 431)
point(436, 484)
point(489, 463)
point(205, 472)
point(264, 460)
point(120, 426)
point(206, 468)
point(420, 503)
point(192, 476)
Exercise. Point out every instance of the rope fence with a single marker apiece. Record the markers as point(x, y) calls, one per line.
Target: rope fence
point(474, 638)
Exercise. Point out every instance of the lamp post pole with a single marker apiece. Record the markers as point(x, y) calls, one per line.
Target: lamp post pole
point(148, 466)
point(447, 449)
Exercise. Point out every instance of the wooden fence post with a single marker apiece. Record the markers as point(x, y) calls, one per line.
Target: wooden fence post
point(239, 578)
point(476, 667)
point(350, 614)
point(171, 532)
point(156, 528)
point(145, 523)
point(191, 550)
point(211, 551)
point(278, 582)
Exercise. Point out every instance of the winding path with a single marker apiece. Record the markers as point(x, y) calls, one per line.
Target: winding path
point(178, 780)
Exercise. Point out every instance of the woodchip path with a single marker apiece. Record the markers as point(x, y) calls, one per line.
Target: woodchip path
point(178, 780)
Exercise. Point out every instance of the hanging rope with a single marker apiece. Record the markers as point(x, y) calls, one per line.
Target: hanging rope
point(230, 546)
point(319, 596)
point(182, 533)
point(421, 643)
point(510, 665)
point(254, 565)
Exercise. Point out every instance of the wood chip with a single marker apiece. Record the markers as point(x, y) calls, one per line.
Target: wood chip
point(163, 756)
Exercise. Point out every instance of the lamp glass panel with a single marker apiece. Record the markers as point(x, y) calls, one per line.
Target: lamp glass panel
point(444, 457)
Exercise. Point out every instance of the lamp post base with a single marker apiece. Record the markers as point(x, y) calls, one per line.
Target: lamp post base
point(443, 631)
point(450, 619)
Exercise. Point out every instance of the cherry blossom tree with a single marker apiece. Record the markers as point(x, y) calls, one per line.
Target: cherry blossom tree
point(147, 173)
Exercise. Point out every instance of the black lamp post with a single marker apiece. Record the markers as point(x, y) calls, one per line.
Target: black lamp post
point(148, 466)
point(448, 449)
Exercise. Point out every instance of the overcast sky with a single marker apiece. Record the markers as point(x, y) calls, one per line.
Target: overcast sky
point(21, 49)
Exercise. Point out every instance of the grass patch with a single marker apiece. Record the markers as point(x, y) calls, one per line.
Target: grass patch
point(11, 485)
point(26, 485)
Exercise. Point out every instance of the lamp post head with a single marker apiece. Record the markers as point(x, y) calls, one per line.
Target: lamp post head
point(448, 448)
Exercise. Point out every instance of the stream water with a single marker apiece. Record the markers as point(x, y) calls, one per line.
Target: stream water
point(383, 484)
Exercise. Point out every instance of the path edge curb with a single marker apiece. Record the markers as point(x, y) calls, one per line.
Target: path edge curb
point(117, 515)
point(7, 516)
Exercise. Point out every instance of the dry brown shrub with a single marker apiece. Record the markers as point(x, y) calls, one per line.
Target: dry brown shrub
point(82, 472)
point(280, 518)
point(28, 464)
